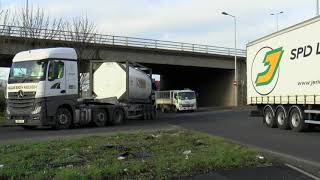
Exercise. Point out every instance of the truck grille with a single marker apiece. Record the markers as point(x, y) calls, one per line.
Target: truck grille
point(187, 105)
point(23, 104)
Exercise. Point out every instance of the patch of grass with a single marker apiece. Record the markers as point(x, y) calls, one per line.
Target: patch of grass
point(96, 157)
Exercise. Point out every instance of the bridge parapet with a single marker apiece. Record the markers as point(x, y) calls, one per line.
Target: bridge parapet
point(102, 39)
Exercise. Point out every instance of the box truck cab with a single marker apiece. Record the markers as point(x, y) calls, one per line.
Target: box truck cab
point(176, 100)
point(43, 90)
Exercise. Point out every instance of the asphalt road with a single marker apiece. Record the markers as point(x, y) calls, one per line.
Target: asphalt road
point(235, 125)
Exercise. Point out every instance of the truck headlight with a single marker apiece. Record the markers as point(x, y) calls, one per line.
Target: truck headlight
point(37, 109)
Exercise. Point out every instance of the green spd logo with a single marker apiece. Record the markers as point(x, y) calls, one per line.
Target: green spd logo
point(265, 69)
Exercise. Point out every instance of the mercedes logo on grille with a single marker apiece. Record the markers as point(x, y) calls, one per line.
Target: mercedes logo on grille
point(20, 94)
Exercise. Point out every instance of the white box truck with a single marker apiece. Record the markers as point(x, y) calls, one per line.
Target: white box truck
point(43, 90)
point(176, 100)
point(283, 76)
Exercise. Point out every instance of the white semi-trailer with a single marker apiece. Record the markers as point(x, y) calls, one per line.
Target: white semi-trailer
point(176, 100)
point(43, 90)
point(283, 76)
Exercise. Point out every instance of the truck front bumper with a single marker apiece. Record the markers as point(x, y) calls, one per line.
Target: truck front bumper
point(187, 108)
point(25, 120)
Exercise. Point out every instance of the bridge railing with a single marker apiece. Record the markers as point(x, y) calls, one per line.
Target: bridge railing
point(50, 34)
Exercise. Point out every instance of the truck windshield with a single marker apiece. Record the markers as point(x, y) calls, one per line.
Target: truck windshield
point(186, 95)
point(27, 71)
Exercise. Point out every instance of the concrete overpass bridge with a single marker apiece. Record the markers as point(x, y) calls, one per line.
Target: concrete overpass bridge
point(207, 69)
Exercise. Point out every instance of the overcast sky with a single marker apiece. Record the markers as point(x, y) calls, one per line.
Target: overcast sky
point(194, 21)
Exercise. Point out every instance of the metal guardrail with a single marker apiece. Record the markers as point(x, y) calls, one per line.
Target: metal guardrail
point(15, 31)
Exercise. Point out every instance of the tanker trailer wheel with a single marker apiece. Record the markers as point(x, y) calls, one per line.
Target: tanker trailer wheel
point(118, 116)
point(63, 119)
point(297, 119)
point(268, 117)
point(282, 118)
point(100, 117)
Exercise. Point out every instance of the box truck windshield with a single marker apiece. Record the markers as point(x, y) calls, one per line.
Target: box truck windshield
point(186, 95)
point(28, 71)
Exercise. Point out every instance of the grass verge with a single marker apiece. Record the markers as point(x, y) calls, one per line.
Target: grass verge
point(142, 155)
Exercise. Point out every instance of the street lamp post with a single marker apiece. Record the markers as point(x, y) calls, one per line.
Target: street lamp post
point(235, 58)
point(317, 8)
point(277, 18)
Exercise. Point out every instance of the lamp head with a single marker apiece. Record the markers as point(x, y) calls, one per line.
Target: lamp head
point(224, 13)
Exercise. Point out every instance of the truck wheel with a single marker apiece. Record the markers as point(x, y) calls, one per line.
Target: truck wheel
point(100, 117)
point(282, 118)
point(118, 116)
point(268, 117)
point(297, 119)
point(63, 119)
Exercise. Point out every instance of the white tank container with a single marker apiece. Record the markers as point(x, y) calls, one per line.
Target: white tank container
point(109, 80)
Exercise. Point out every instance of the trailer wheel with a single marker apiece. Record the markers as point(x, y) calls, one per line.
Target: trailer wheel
point(63, 119)
point(282, 118)
point(268, 117)
point(297, 119)
point(118, 116)
point(100, 117)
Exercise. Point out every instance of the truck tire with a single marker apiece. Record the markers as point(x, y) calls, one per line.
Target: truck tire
point(282, 118)
point(63, 119)
point(100, 117)
point(268, 117)
point(118, 116)
point(296, 119)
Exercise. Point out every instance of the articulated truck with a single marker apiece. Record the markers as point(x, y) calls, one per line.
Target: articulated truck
point(283, 76)
point(176, 100)
point(44, 90)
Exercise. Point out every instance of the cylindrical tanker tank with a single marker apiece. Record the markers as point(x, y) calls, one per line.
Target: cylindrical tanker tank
point(110, 80)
